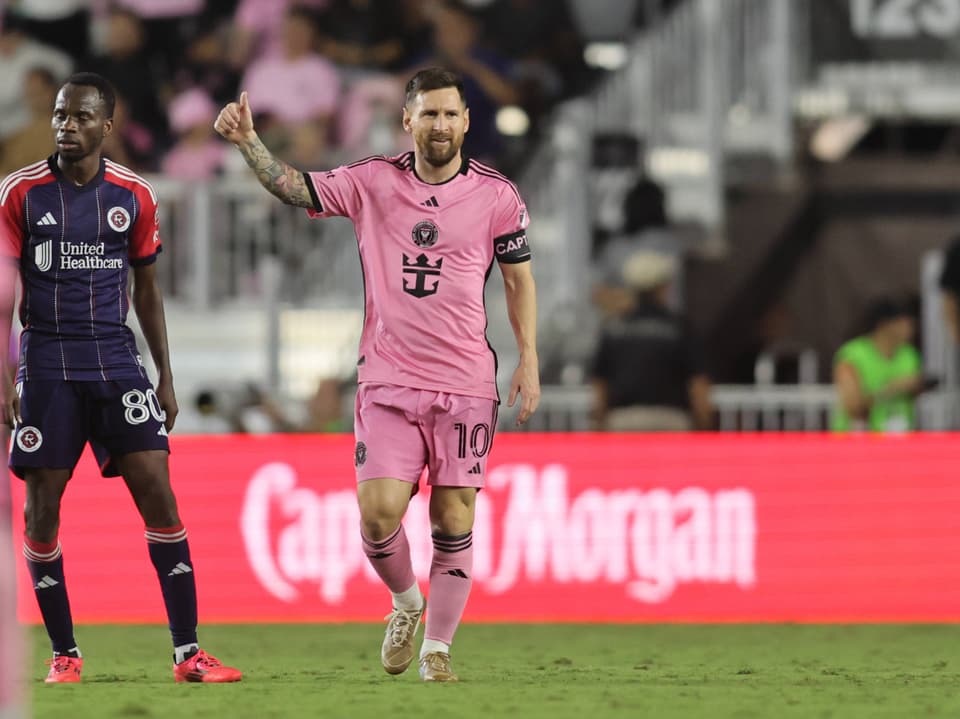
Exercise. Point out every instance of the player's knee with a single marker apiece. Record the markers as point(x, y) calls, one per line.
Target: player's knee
point(380, 517)
point(41, 520)
point(378, 528)
point(452, 520)
point(160, 510)
point(157, 504)
point(380, 513)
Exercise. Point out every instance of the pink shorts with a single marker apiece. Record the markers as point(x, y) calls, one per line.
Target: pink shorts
point(401, 430)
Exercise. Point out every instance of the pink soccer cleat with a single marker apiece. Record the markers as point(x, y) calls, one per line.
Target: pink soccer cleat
point(64, 669)
point(201, 667)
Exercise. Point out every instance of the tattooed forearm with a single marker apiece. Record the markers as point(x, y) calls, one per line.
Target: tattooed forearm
point(275, 175)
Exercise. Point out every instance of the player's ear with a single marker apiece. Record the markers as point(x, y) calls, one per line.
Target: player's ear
point(107, 128)
point(466, 119)
point(407, 119)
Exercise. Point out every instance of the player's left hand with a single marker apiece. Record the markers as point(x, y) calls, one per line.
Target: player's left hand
point(168, 403)
point(526, 383)
point(9, 404)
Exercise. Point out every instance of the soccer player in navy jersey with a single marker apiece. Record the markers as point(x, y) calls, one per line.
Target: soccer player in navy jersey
point(73, 225)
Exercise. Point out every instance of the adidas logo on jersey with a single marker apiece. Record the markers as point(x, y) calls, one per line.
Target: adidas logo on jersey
point(46, 583)
point(181, 568)
point(47, 219)
point(475, 469)
point(432, 202)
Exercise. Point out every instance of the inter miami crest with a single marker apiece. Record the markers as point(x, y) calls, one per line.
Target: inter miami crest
point(360, 454)
point(425, 234)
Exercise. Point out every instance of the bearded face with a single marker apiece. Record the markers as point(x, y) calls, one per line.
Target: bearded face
point(438, 120)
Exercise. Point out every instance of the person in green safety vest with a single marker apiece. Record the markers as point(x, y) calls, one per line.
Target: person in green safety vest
point(878, 374)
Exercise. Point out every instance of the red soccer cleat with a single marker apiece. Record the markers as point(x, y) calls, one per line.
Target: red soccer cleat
point(64, 669)
point(201, 667)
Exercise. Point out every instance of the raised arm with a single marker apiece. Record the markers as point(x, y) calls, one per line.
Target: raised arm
point(235, 123)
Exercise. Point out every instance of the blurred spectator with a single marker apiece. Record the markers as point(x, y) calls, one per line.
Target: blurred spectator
point(325, 409)
point(19, 55)
point(35, 141)
point(167, 26)
point(644, 228)
point(648, 371)
point(251, 410)
point(247, 409)
point(486, 76)
point(878, 374)
point(58, 22)
point(544, 44)
point(205, 62)
point(360, 35)
point(210, 417)
point(950, 288)
point(258, 28)
point(131, 144)
point(296, 93)
point(198, 153)
point(368, 122)
point(127, 65)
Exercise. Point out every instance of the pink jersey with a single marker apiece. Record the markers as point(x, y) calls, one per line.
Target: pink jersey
point(426, 252)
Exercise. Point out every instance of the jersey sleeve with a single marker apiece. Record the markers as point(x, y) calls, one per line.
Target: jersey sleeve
point(335, 193)
point(145, 236)
point(11, 226)
point(510, 244)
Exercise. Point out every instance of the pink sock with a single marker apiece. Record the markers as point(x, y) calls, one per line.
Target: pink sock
point(451, 576)
point(391, 560)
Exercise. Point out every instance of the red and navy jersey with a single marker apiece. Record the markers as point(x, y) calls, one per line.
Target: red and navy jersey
point(74, 246)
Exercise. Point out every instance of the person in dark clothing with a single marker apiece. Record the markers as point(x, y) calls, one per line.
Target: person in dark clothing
point(648, 372)
point(950, 287)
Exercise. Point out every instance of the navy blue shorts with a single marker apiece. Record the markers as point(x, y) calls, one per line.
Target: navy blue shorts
point(60, 417)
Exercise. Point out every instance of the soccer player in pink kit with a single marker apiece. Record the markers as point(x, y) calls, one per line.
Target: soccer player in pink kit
point(429, 225)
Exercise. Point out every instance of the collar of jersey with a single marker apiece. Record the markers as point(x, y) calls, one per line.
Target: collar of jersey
point(92, 185)
point(464, 166)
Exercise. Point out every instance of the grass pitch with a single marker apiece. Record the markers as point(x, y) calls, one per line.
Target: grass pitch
point(529, 671)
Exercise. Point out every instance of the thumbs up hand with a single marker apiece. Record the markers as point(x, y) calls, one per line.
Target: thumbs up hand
point(235, 121)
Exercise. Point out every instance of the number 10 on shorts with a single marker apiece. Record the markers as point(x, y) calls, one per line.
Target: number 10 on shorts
point(479, 438)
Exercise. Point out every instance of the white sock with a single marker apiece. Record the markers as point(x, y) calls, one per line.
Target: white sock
point(410, 599)
point(432, 645)
point(180, 653)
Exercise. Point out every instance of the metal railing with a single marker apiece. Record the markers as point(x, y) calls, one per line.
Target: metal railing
point(712, 80)
point(740, 408)
point(217, 236)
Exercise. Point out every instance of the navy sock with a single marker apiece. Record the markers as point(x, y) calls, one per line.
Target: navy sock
point(45, 562)
point(170, 555)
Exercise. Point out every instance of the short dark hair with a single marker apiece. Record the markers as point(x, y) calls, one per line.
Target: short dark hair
point(434, 78)
point(885, 309)
point(91, 79)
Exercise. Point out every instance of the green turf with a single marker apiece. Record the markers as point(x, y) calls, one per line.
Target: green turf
point(592, 672)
